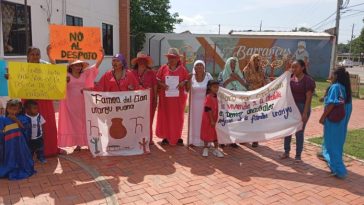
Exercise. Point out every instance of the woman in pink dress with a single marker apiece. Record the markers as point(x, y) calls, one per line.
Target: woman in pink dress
point(147, 80)
point(72, 117)
point(119, 78)
point(171, 107)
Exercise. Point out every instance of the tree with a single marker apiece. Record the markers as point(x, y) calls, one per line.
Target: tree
point(150, 16)
point(343, 48)
point(303, 29)
point(357, 45)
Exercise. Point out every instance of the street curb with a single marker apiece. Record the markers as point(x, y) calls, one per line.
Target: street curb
point(105, 187)
point(346, 155)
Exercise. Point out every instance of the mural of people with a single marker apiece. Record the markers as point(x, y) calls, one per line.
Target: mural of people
point(301, 53)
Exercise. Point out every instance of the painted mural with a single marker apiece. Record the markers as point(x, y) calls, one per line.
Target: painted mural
point(276, 53)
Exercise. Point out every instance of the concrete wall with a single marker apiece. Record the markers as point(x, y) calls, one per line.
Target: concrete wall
point(215, 49)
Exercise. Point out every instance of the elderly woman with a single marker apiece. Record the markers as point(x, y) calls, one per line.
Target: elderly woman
point(119, 78)
point(72, 117)
point(172, 100)
point(147, 80)
point(233, 79)
point(199, 80)
point(255, 76)
point(335, 122)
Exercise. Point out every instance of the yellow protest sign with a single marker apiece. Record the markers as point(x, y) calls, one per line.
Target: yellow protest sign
point(37, 81)
point(75, 42)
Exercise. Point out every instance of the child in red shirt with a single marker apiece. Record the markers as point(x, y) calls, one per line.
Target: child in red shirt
point(209, 118)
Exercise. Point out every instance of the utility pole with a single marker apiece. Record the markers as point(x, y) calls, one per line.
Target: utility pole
point(351, 41)
point(26, 24)
point(219, 28)
point(338, 7)
point(261, 22)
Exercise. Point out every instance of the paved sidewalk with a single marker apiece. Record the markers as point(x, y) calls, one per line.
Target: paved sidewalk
point(178, 175)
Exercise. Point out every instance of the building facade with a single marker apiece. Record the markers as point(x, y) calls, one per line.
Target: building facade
point(111, 16)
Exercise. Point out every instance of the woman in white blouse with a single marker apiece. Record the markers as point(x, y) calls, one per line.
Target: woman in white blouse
point(199, 81)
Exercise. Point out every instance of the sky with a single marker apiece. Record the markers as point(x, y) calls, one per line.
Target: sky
point(204, 16)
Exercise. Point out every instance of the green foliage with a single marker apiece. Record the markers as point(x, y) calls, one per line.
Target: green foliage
point(303, 29)
point(150, 16)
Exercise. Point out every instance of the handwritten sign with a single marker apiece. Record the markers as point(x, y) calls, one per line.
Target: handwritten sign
point(3, 81)
point(117, 123)
point(75, 42)
point(264, 114)
point(37, 81)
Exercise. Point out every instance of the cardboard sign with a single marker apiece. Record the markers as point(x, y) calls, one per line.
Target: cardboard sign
point(117, 123)
point(3, 81)
point(37, 81)
point(75, 42)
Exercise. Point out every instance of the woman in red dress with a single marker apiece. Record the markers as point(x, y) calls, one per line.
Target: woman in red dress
point(119, 78)
point(172, 101)
point(147, 80)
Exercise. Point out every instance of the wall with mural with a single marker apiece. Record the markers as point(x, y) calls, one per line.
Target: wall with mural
point(276, 51)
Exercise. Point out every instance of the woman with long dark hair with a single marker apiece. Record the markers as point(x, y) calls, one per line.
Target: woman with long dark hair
point(338, 94)
point(302, 87)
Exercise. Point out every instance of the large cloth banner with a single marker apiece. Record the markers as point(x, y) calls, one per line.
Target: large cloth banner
point(117, 123)
point(75, 42)
point(264, 114)
point(37, 81)
point(3, 81)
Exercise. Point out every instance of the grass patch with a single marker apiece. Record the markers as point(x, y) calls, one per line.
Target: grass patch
point(354, 144)
point(321, 86)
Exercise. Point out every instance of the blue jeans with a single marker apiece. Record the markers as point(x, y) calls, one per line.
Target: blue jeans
point(299, 135)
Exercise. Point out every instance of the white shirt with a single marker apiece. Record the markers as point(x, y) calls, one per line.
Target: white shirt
point(34, 121)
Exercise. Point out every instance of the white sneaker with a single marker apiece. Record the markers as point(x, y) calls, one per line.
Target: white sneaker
point(218, 153)
point(205, 152)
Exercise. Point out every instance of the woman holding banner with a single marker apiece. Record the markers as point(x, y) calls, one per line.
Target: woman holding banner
point(119, 78)
point(199, 80)
point(338, 108)
point(233, 79)
point(173, 82)
point(255, 76)
point(147, 80)
point(72, 117)
point(302, 87)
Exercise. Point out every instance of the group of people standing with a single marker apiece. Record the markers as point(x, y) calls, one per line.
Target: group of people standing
point(171, 110)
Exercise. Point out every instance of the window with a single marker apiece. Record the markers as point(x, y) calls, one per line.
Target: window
point(107, 39)
point(13, 24)
point(74, 21)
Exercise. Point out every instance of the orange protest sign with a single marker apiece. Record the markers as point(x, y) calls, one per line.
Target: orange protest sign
point(75, 42)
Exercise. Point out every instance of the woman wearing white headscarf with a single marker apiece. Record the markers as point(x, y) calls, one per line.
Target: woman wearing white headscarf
point(199, 81)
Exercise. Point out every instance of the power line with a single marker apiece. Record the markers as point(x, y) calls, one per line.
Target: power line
point(331, 15)
point(355, 5)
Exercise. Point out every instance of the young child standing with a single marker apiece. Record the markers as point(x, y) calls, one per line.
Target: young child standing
point(17, 162)
point(36, 143)
point(209, 118)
